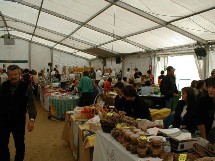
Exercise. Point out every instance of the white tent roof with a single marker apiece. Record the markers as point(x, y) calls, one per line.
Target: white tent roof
point(106, 28)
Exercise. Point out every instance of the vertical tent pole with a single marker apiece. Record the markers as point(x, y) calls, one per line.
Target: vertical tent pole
point(29, 55)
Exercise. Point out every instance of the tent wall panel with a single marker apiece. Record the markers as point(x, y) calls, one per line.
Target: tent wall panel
point(111, 63)
point(40, 57)
point(211, 61)
point(61, 59)
point(19, 51)
point(97, 63)
point(136, 61)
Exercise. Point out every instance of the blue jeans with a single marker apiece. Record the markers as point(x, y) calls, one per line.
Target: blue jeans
point(168, 121)
point(169, 103)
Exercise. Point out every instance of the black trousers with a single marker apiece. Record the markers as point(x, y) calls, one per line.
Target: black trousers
point(18, 131)
point(85, 99)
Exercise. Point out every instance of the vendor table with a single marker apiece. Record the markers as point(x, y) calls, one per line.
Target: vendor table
point(80, 138)
point(155, 101)
point(41, 92)
point(46, 101)
point(44, 97)
point(59, 106)
point(108, 149)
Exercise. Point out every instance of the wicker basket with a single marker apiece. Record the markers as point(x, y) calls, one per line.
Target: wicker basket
point(107, 127)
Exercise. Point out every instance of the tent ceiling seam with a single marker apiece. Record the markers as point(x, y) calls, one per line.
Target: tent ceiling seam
point(48, 30)
point(50, 47)
point(88, 20)
point(157, 20)
point(80, 23)
point(51, 31)
point(193, 14)
point(52, 41)
point(110, 34)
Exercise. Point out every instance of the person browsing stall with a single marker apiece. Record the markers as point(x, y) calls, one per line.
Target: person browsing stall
point(85, 86)
point(107, 85)
point(168, 87)
point(147, 89)
point(160, 77)
point(16, 99)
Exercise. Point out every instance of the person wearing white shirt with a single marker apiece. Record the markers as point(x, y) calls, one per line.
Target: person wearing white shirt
point(113, 74)
point(47, 74)
point(98, 74)
point(101, 83)
point(71, 76)
point(53, 72)
point(147, 90)
point(127, 74)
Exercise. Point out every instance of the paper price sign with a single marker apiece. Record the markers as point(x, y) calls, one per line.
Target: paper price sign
point(182, 157)
point(109, 114)
point(143, 138)
point(118, 126)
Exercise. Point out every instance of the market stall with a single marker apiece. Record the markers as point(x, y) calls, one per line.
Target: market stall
point(61, 103)
point(107, 148)
point(80, 137)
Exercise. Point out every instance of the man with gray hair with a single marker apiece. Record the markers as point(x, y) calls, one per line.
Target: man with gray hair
point(16, 99)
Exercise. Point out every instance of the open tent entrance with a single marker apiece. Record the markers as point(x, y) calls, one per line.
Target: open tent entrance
point(186, 69)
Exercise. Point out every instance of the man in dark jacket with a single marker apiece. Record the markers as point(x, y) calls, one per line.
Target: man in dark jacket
point(168, 87)
point(206, 109)
point(16, 99)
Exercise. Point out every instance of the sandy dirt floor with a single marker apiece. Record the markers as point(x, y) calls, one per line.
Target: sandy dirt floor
point(44, 143)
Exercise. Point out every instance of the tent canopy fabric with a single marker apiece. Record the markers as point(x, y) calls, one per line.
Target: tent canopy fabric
point(108, 28)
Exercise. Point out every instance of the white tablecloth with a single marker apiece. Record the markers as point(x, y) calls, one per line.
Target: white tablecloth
point(46, 102)
point(106, 148)
point(41, 96)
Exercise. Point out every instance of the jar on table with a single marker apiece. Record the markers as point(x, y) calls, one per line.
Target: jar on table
point(141, 133)
point(136, 130)
point(124, 130)
point(132, 128)
point(118, 133)
point(122, 135)
point(127, 140)
point(133, 145)
point(130, 122)
point(142, 146)
point(156, 146)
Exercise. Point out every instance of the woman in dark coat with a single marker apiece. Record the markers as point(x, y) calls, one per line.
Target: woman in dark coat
point(136, 106)
point(120, 101)
point(185, 113)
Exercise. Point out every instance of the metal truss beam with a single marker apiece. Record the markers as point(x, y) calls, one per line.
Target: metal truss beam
point(5, 23)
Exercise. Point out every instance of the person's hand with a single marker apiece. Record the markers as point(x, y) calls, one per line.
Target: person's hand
point(30, 125)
